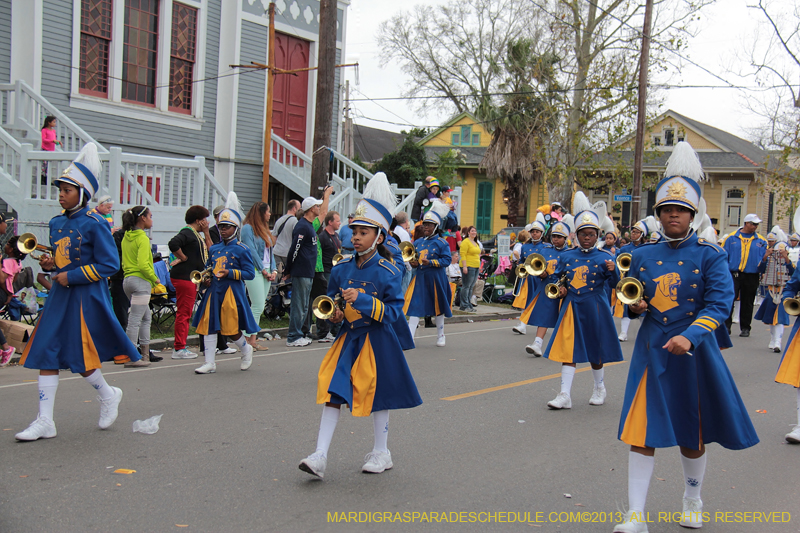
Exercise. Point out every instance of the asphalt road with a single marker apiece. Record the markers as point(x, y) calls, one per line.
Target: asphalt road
point(226, 456)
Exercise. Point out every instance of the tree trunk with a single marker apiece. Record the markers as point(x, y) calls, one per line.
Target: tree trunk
point(323, 118)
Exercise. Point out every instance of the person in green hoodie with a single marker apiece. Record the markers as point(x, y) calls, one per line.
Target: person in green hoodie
point(140, 277)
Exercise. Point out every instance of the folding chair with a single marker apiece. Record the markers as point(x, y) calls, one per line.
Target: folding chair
point(163, 312)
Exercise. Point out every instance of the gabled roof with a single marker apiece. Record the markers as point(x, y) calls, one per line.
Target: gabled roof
point(371, 144)
point(446, 125)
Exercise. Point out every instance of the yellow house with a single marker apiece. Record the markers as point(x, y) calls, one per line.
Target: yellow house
point(482, 202)
point(735, 180)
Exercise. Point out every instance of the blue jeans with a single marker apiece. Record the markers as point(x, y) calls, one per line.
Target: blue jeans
point(467, 286)
point(301, 301)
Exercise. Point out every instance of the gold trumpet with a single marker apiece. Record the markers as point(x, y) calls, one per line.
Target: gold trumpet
point(27, 244)
point(630, 291)
point(552, 289)
point(409, 252)
point(522, 273)
point(336, 259)
point(323, 306)
point(535, 264)
point(792, 306)
point(624, 262)
point(198, 276)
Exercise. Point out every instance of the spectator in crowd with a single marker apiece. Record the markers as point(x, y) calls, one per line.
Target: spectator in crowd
point(12, 265)
point(104, 207)
point(190, 248)
point(49, 142)
point(140, 278)
point(454, 238)
point(424, 196)
point(258, 238)
point(329, 246)
point(470, 264)
point(403, 224)
point(345, 234)
point(745, 249)
point(453, 270)
point(301, 265)
point(284, 228)
point(119, 300)
point(4, 220)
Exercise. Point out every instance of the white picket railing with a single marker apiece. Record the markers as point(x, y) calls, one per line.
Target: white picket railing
point(24, 110)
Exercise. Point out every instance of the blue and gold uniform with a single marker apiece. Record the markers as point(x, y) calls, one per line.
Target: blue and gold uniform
point(531, 284)
point(224, 308)
point(429, 293)
point(400, 326)
point(689, 292)
point(541, 310)
point(581, 331)
point(77, 329)
point(789, 367)
point(365, 368)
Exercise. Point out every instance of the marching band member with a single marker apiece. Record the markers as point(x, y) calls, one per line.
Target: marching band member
point(775, 269)
point(429, 292)
point(794, 248)
point(543, 311)
point(580, 334)
point(789, 368)
point(638, 237)
point(224, 309)
point(531, 284)
point(365, 367)
point(679, 391)
point(77, 329)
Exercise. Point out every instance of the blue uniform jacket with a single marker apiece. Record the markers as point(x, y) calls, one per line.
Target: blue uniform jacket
point(752, 248)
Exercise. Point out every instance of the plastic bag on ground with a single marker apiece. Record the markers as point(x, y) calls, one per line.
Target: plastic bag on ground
point(148, 427)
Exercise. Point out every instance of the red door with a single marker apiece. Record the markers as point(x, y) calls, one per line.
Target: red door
point(291, 91)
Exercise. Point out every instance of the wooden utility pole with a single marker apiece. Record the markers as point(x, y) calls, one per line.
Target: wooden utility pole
point(323, 118)
point(270, 90)
point(347, 138)
point(638, 154)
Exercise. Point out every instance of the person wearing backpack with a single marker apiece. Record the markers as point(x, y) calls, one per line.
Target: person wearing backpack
point(284, 227)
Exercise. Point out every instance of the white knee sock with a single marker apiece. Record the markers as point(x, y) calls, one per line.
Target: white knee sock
point(440, 325)
point(598, 377)
point(330, 417)
point(47, 395)
point(640, 470)
point(239, 343)
point(626, 323)
point(210, 348)
point(798, 407)
point(567, 373)
point(413, 322)
point(538, 340)
point(380, 424)
point(693, 472)
point(97, 381)
point(779, 334)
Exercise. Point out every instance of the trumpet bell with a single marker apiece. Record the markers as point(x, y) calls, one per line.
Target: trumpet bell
point(197, 276)
point(624, 262)
point(792, 306)
point(629, 291)
point(324, 306)
point(27, 244)
point(336, 259)
point(521, 271)
point(408, 251)
point(552, 290)
point(536, 264)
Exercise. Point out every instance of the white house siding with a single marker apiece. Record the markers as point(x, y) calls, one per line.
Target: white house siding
point(132, 135)
point(5, 43)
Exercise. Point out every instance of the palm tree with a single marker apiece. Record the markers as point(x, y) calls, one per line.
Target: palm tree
point(520, 124)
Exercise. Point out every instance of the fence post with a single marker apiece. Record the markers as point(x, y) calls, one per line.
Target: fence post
point(25, 172)
point(458, 203)
point(17, 104)
point(115, 175)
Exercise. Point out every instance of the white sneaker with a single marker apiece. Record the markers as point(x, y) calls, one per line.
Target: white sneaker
point(771, 344)
point(227, 351)
point(692, 513)
point(302, 341)
point(377, 462)
point(623, 337)
point(41, 428)
point(735, 320)
point(207, 368)
point(473, 300)
point(519, 328)
point(793, 436)
point(327, 338)
point(440, 341)
point(183, 354)
point(777, 347)
point(562, 401)
point(633, 523)
point(314, 464)
point(598, 396)
point(535, 348)
point(247, 357)
point(109, 409)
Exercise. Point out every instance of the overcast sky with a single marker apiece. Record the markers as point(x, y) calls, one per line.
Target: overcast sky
point(724, 27)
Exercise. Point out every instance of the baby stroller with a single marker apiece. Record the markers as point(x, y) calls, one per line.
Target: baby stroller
point(280, 300)
point(489, 263)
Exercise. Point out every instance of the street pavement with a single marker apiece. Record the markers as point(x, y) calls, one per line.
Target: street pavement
point(483, 442)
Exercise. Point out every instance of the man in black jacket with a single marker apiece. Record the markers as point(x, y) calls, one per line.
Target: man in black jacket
point(430, 187)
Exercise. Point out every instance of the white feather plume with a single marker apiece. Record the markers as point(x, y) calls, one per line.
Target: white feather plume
point(796, 219)
point(580, 203)
point(652, 225)
point(780, 235)
point(88, 157)
point(607, 225)
point(529, 226)
point(379, 189)
point(600, 209)
point(569, 220)
point(684, 161)
point(232, 202)
point(708, 234)
point(440, 208)
point(700, 216)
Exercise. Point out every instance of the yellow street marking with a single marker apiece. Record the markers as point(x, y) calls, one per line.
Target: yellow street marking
point(518, 384)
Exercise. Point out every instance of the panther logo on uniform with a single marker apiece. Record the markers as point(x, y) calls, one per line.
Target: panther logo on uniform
point(61, 254)
point(220, 263)
point(551, 265)
point(666, 296)
point(351, 314)
point(579, 277)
